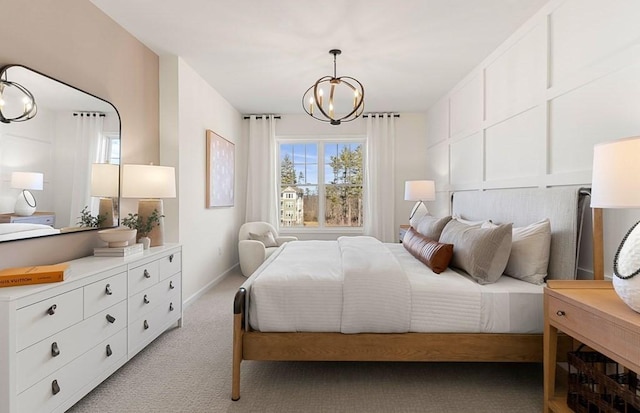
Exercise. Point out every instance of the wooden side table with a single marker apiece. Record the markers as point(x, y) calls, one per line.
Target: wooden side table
point(45, 218)
point(592, 313)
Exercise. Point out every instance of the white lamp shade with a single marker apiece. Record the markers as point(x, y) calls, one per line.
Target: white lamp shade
point(616, 174)
point(104, 180)
point(148, 181)
point(27, 180)
point(419, 191)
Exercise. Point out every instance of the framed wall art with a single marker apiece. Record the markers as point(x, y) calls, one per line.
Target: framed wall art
point(220, 171)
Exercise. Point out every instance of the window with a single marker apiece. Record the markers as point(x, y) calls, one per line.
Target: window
point(321, 184)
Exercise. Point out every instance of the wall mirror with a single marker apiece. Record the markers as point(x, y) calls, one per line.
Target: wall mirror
point(59, 164)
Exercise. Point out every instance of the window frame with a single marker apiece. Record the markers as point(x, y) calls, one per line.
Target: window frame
point(321, 141)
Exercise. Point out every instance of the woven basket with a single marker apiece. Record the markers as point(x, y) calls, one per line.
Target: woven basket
point(598, 384)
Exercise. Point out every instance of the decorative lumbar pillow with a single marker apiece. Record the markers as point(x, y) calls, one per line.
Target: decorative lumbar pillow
point(432, 227)
point(481, 252)
point(529, 259)
point(431, 253)
point(267, 239)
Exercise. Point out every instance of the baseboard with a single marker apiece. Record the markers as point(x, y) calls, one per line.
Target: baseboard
point(186, 303)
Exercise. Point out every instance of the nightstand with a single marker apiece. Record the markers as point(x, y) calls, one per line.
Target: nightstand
point(403, 230)
point(45, 218)
point(592, 313)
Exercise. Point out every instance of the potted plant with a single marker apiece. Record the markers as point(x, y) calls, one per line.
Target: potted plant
point(89, 221)
point(144, 226)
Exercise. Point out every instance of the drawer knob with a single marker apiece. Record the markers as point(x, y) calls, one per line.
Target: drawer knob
point(170, 306)
point(146, 274)
point(145, 325)
point(145, 299)
point(560, 313)
point(109, 351)
point(52, 310)
point(171, 258)
point(55, 350)
point(111, 318)
point(107, 290)
point(55, 387)
point(171, 286)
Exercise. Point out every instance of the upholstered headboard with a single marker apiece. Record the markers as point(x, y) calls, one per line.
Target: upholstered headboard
point(523, 206)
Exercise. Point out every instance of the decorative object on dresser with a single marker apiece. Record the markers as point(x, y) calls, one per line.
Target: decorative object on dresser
point(26, 202)
point(117, 237)
point(615, 184)
point(10, 277)
point(132, 249)
point(61, 340)
point(150, 183)
point(105, 184)
point(419, 191)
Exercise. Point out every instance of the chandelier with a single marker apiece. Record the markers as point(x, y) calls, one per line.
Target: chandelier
point(17, 104)
point(346, 97)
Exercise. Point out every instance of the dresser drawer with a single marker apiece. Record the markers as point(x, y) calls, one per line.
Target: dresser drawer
point(39, 320)
point(170, 265)
point(75, 375)
point(144, 329)
point(38, 361)
point(105, 293)
point(143, 277)
point(145, 301)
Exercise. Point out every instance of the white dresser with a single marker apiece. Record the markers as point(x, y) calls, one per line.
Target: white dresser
point(58, 341)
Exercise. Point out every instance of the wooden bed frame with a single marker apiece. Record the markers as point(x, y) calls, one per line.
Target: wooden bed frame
point(249, 344)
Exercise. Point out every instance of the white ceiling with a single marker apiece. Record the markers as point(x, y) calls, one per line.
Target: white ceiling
point(262, 55)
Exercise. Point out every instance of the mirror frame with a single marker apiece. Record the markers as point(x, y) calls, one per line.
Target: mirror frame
point(73, 230)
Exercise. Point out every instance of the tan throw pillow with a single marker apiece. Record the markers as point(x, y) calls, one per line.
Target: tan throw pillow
point(267, 239)
point(481, 252)
point(431, 253)
point(529, 259)
point(432, 227)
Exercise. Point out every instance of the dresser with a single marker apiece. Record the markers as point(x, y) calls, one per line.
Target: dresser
point(58, 341)
point(592, 313)
point(44, 218)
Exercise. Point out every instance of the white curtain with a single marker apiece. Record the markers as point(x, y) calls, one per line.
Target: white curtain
point(380, 178)
point(262, 178)
point(90, 147)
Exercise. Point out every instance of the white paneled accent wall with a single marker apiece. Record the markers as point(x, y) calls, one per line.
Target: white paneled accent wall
point(531, 112)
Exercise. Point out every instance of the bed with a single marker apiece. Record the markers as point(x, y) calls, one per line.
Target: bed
point(287, 319)
point(13, 231)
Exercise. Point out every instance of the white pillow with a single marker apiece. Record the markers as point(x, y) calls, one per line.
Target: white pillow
point(530, 249)
point(473, 223)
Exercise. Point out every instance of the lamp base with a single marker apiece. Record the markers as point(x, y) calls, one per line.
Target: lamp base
point(106, 209)
point(25, 204)
point(146, 208)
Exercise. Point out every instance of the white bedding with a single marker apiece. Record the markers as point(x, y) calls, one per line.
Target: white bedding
point(13, 231)
point(290, 294)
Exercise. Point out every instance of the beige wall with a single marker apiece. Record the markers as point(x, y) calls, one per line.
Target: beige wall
point(73, 41)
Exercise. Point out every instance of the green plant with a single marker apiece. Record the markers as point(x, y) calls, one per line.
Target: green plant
point(144, 227)
point(88, 220)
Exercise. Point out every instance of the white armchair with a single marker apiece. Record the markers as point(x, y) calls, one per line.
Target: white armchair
point(257, 241)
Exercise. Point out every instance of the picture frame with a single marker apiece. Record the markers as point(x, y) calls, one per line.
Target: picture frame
point(220, 171)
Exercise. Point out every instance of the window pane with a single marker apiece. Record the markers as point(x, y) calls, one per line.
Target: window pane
point(299, 206)
point(310, 205)
point(311, 176)
point(343, 206)
point(286, 150)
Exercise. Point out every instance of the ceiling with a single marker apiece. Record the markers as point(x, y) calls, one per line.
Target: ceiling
point(262, 56)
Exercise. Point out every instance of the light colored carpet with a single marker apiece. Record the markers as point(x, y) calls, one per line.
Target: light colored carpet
point(189, 370)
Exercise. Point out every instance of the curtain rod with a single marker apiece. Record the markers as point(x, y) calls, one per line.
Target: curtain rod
point(102, 115)
point(366, 115)
point(260, 116)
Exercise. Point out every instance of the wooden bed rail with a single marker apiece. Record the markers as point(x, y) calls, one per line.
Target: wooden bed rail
point(238, 333)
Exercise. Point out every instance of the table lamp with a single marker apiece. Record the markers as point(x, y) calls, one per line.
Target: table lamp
point(26, 202)
point(104, 184)
point(616, 184)
point(149, 183)
point(419, 191)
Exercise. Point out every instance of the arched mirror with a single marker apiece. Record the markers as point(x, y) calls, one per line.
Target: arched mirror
point(59, 157)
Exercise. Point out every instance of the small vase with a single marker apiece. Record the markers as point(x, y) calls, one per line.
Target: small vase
point(145, 241)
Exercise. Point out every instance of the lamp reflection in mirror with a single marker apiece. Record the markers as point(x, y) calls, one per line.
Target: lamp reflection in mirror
point(420, 191)
point(104, 184)
point(26, 202)
point(616, 184)
point(149, 183)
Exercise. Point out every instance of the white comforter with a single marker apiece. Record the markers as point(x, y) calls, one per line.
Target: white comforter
point(303, 287)
point(11, 231)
